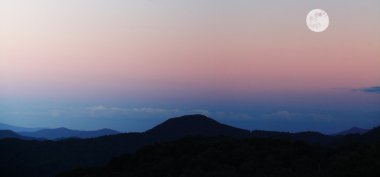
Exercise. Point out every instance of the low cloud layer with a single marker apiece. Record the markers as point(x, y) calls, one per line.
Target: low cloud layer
point(105, 111)
point(295, 116)
point(375, 89)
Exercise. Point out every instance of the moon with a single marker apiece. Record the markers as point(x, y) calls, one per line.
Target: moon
point(317, 20)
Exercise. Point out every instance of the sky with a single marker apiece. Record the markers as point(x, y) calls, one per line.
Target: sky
point(130, 64)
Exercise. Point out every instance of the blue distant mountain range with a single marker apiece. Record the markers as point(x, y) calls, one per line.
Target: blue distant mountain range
point(9, 131)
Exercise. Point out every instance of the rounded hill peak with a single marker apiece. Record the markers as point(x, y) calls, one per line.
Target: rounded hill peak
point(195, 125)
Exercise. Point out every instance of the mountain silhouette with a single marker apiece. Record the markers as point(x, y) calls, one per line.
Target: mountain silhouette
point(371, 135)
point(55, 156)
point(10, 134)
point(310, 137)
point(61, 133)
point(353, 130)
point(47, 158)
point(194, 125)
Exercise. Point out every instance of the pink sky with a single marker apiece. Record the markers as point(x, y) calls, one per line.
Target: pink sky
point(159, 50)
point(48, 47)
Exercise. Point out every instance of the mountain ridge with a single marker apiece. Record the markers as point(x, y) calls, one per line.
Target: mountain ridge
point(62, 133)
point(353, 130)
point(55, 156)
point(4, 126)
point(4, 134)
point(194, 125)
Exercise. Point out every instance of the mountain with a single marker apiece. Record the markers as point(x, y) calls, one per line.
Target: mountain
point(61, 133)
point(371, 135)
point(16, 128)
point(310, 137)
point(10, 134)
point(353, 130)
point(194, 125)
point(58, 133)
point(48, 158)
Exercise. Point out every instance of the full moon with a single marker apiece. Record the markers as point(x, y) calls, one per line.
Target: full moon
point(317, 20)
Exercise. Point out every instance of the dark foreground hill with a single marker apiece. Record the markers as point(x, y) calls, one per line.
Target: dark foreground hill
point(48, 158)
point(223, 157)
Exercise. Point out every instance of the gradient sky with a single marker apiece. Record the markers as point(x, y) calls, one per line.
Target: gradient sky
point(129, 64)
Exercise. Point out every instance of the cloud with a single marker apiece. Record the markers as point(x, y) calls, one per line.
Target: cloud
point(232, 116)
point(200, 111)
point(97, 108)
point(26, 113)
point(106, 111)
point(56, 112)
point(101, 111)
point(286, 115)
point(149, 112)
point(375, 89)
point(294, 116)
point(153, 110)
